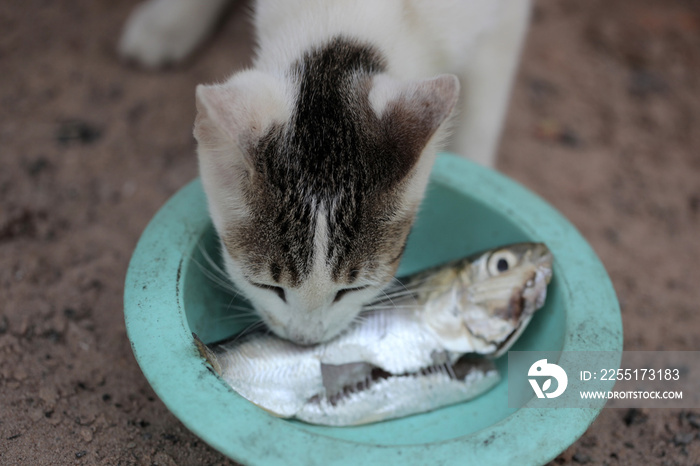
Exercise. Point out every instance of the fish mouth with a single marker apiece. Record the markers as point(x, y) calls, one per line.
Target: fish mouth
point(534, 291)
point(528, 298)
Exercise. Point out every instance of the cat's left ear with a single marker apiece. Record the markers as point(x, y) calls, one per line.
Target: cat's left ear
point(231, 119)
point(412, 112)
point(241, 110)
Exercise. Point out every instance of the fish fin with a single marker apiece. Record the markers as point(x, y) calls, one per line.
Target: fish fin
point(207, 354)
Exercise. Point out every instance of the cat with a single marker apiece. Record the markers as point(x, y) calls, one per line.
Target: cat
point(315, 160)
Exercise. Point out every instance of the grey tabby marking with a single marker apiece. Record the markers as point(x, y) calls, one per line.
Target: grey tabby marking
point(334, 157)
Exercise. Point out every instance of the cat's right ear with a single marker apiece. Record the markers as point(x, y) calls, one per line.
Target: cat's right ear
point(233, 116)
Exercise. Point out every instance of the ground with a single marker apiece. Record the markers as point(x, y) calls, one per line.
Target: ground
point(602, 125)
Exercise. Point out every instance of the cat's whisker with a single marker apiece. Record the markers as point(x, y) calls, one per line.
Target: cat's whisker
point(235, 318)
point(223, 284)
point(398, 294)
point(255, 326)
point(214, 266)
point(386, 298)
point(215, 274)
point(379, 307)
point(398, 287)
point(239, 310)
point(408, 292)
point(397, 283)
point(360, 319)
point(412, 285)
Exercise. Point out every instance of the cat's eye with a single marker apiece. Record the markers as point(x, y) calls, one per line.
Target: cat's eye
point(501, 261)
point(339, 295)
point(276, 289)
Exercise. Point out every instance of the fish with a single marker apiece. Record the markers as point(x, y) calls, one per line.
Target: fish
point(428, 343)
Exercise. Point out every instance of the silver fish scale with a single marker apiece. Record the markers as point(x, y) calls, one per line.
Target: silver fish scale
point(400, 342)
point(272, 373)
point(396, 397)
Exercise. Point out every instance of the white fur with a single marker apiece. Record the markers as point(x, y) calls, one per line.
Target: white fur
point(421, 38)
point(160, 32)
point(478, 40)
point(386, 89)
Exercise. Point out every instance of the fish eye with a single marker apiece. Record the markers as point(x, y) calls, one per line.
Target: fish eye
point(275, 289)
point(339, 295)
point(501, 261)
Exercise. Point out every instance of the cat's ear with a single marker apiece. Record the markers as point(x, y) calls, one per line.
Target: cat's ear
point(412, 112)
point(240, 110)
point(412, 117)
point(231, 119)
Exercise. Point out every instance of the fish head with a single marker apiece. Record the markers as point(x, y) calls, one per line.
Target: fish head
point(508, 286)
point(483, 303)
point(511, 281)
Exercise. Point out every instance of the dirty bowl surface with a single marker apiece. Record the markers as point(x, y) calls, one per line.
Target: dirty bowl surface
point(169, 295)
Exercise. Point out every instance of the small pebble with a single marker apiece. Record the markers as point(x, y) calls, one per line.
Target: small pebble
point(80, 454)
point(36, 414)
point(170, 437)
point(645, 82)
point(569, 138)
point(77, 130)
point(37, 166)
point(48, 395)
point(162, 459)
point(634, 416)
point(581, 458)
point(589, 442)
point(4, 325)
point(683, 439)
point(54, 418)
point(694, 420)
point(86, 434)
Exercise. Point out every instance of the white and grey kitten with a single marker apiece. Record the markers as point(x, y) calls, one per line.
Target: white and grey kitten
point(315, 160)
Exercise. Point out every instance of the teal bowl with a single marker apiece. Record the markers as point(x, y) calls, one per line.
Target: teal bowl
point(169, 294)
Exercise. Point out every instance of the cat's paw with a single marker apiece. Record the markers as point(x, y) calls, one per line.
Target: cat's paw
point(161, 32)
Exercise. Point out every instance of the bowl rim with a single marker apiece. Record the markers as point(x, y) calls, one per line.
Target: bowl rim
point(155, 272)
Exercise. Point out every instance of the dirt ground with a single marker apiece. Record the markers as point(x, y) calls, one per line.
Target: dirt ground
point(602, 125)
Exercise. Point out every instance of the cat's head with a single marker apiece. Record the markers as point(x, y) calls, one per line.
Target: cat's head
point(313, 183)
